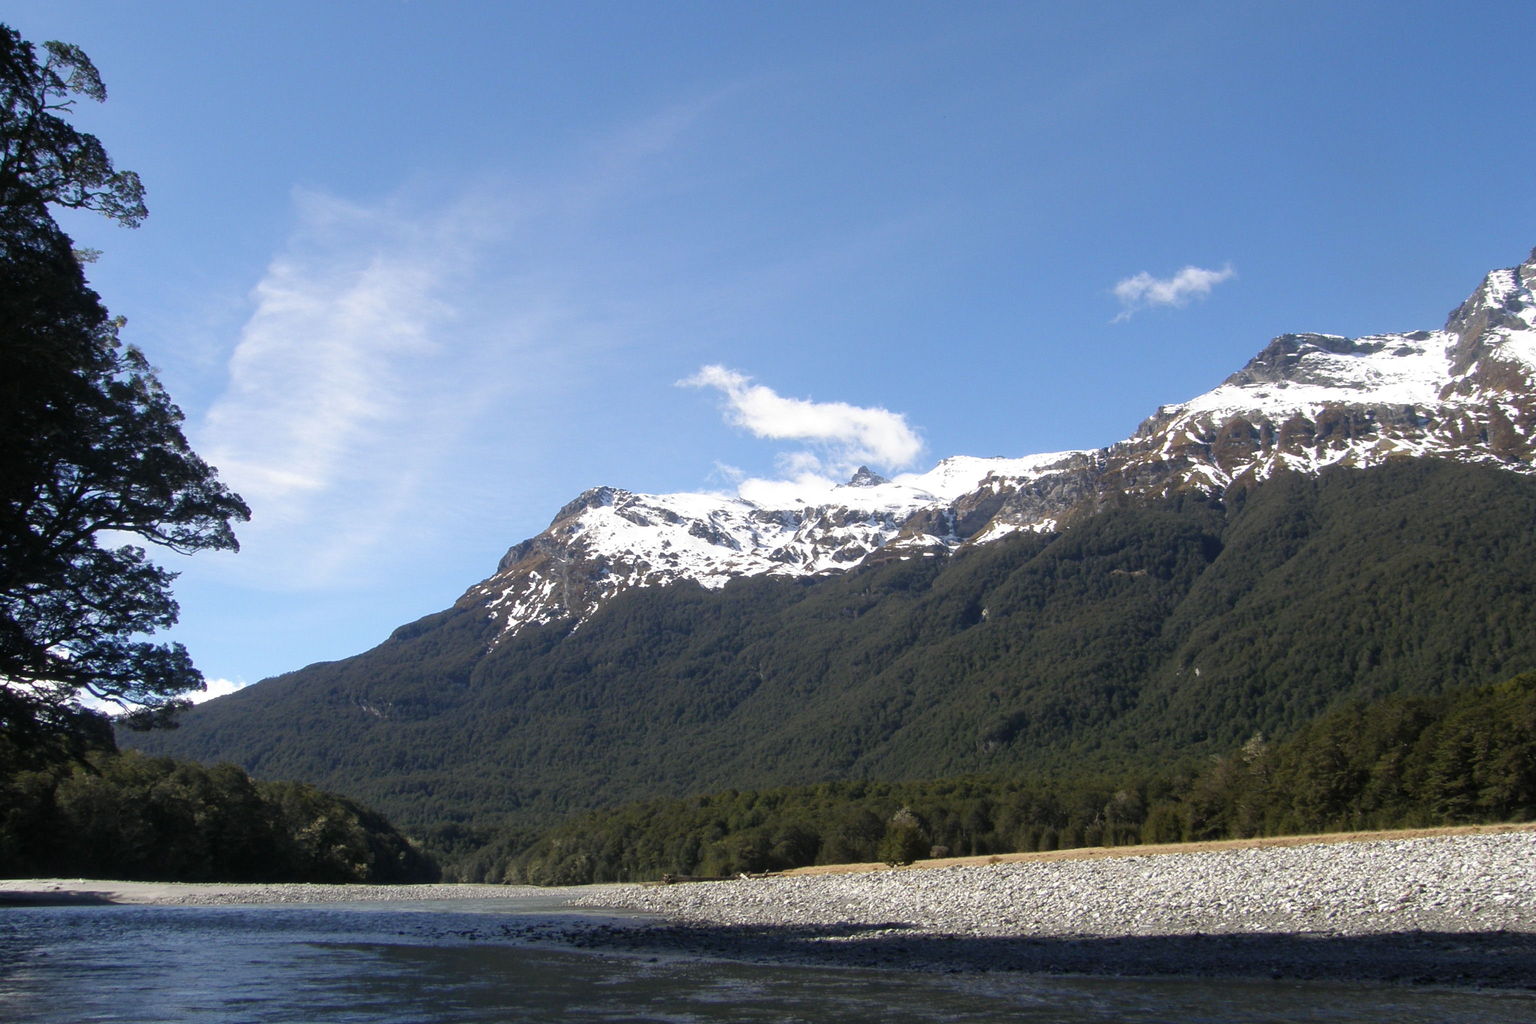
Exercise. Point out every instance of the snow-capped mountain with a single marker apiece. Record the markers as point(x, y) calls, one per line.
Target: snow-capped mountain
point(1307, 401)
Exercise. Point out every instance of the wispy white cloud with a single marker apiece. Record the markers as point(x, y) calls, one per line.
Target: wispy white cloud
point(392, 348)
point(1143, 291)
point(319, 364)
point(841, 436)
point(618, 157)
point(331, 370)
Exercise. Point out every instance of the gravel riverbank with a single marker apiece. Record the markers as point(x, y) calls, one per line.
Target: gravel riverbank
point(1443, 910)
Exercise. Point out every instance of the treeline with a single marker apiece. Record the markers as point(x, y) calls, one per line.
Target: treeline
point(1400, 762)
point(129, 816)
point(1463, 757)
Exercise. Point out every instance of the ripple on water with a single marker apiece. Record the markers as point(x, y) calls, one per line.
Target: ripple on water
point(392, 966)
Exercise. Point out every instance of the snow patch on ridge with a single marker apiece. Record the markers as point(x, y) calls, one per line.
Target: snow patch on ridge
point(1391, 370)
point(960, 475)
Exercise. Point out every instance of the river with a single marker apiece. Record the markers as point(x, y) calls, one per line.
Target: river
point(457, 961)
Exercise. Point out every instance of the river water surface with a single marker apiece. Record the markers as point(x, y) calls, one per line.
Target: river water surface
point(454, 961)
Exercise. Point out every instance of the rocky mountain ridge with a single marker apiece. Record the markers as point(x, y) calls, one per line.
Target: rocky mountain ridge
point(1306, 402)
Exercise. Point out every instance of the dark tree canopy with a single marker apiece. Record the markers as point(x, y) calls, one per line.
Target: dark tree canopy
point(91, 447)
point(43, 158)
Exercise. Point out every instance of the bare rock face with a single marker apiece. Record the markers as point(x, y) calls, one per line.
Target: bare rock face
point(1303, 403)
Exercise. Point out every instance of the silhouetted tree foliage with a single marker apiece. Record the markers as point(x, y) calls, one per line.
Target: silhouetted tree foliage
point(90, 444)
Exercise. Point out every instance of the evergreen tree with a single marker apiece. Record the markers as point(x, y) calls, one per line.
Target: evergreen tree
point(906, 838)
point(91, 446)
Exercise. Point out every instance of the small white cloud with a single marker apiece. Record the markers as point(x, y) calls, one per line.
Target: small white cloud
point(216, 688)
point(732, 475)
point(1143, 291)
point(211, 688)
point(806, 488)
point(844, 436)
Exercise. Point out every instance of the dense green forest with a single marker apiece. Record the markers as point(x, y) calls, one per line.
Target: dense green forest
point(1399, 761)
point(125, 815)
point(1144, 635)
point(1396, 762)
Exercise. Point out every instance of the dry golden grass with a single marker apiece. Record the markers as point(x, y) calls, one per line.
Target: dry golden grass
point(1099, 852)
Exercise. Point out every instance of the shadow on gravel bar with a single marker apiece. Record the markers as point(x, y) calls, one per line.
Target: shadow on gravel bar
point(1481, 959)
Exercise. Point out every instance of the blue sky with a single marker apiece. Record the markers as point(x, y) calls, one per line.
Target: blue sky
point(420, 272)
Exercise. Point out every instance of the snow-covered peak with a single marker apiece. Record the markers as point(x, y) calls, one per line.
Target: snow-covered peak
point(960, 475)
point(1509, 289)
point(1306, 401)
point(609, 539)
point(1303, 373)
point(865, 477)
point(1503, 315)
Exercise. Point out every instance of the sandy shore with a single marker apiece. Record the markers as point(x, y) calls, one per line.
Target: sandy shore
point(1444, 908)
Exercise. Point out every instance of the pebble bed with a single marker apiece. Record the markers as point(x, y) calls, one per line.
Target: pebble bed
point(1444, 910)
point(1448, 884)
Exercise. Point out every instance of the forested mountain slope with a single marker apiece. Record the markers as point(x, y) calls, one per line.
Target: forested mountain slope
point(1152, 630)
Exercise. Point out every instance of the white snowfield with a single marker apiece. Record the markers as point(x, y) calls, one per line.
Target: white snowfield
point(1306, 402)
point(1400, 372)
point(711, 539)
